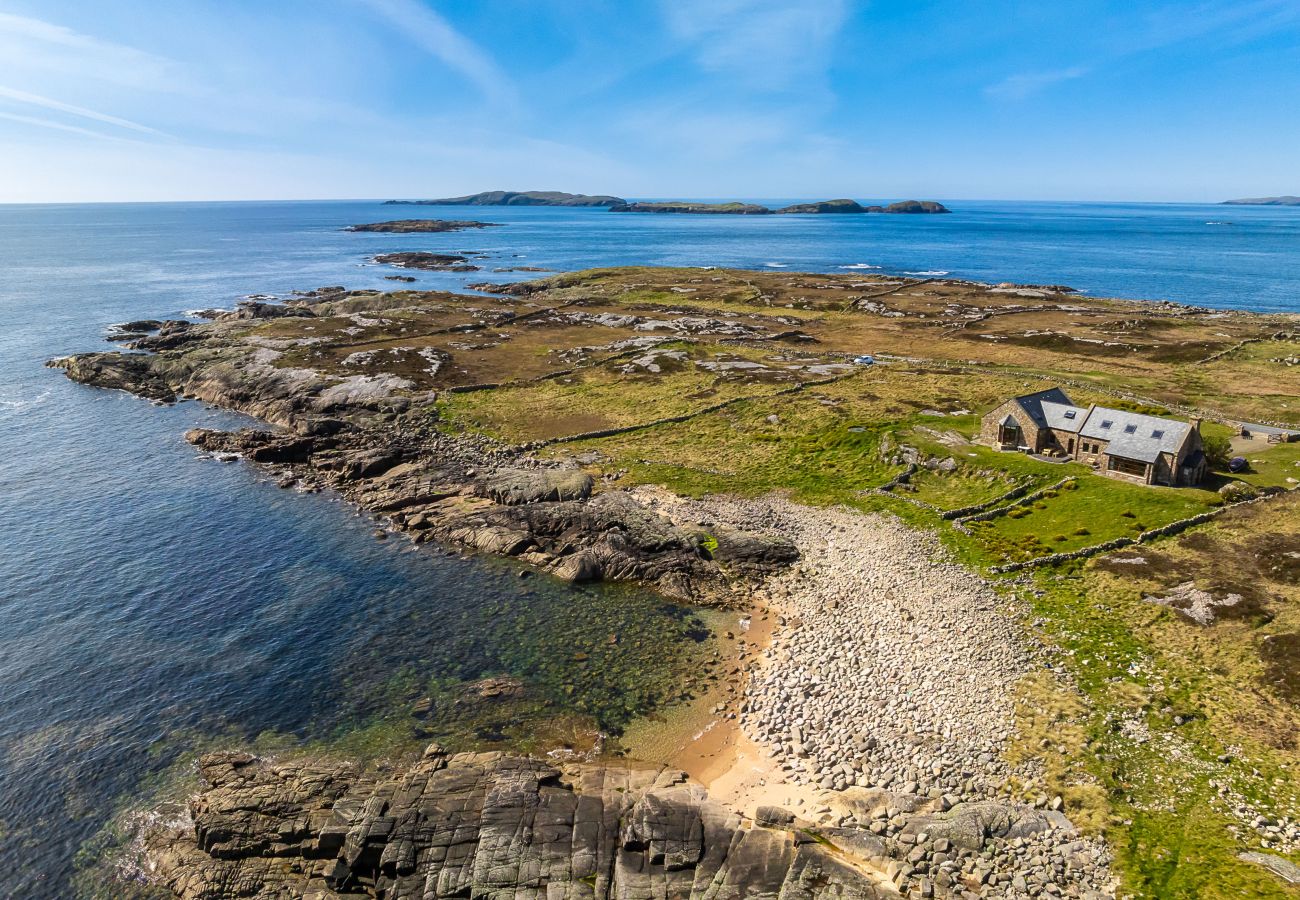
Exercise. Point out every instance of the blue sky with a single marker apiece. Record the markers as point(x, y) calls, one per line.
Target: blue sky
point(233, 99)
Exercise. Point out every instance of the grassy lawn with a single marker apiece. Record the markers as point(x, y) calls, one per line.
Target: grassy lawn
point(963, 487)
point(1091, 510)
point(1272, 464)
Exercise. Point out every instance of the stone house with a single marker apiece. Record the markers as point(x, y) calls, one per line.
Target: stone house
point(1125, 445)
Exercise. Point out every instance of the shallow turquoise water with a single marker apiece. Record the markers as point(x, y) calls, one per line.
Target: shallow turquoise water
point(149, 598)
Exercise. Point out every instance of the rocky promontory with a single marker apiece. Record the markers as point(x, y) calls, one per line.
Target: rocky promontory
point(370, 432)
point(518, 198)
point(421, 226)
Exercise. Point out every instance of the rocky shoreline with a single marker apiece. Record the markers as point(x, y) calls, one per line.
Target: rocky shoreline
point(875, 725)
point(878, 719)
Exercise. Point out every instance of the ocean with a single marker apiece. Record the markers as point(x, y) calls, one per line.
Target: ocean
point(154, 602)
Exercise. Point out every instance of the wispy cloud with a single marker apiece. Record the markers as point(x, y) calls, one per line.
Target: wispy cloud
point(56, 126)
point(435, 35)
point(34, 45)
point(37, 100)
point(1026, 84)
point(766, 42)
point(1223, 21)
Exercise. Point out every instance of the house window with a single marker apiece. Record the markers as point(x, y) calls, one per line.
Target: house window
point(1127, 466)
point(1106, 423)
point(1157, 434)
point(1069, 414)
point(1130, 429)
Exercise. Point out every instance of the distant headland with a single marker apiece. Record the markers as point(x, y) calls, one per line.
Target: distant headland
point(1264, 201)
point(822, 207)
point(520, 198)
point(618, 204)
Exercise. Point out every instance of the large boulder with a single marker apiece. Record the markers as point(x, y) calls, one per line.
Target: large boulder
point(517, 486)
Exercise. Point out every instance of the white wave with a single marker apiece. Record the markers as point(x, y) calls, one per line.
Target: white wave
point(859, 266)
point(935, 274)
point(21, 403)
point(772, 265)
point(1218, 223)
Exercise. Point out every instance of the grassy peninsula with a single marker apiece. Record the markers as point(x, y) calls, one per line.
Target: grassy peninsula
point(714, 433)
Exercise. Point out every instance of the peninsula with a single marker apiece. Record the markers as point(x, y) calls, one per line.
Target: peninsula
point(968, 672)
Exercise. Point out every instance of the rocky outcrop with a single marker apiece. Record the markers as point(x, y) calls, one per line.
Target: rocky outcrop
point(431, 262)
point(518, 198)
point(911, 207)
point(481, 825)
point(121, 371)
point(515, 486)
point(421, 226)
point(825, 207)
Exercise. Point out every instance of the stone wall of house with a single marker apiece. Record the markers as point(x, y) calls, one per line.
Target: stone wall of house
point(1063, 439)
point(990, 424)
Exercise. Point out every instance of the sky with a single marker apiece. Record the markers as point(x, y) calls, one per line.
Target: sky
point(751, 99)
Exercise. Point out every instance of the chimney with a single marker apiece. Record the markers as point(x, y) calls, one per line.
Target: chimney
point(1195, 422)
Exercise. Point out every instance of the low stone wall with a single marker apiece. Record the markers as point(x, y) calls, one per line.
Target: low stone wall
point(1014, 493)
point(960, 523)
point(1145, 537)
point(901, 478)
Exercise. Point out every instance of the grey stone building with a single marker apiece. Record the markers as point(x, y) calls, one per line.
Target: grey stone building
point(1122, 444)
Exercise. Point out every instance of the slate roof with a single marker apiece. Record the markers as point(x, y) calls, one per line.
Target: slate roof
point(1133, 435)
point(1032, 404)
point(1269, 429)
point(1063, 416)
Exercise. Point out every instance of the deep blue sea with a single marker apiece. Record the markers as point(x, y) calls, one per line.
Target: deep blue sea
point(152, 601)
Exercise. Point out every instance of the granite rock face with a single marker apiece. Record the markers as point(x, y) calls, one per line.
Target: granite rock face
point(481, 825)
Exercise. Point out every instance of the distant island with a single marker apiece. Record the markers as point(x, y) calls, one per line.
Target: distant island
point(618, 204)
point(822, 207)
point(421, 226)
point(1264, 201)
point(519, 198)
